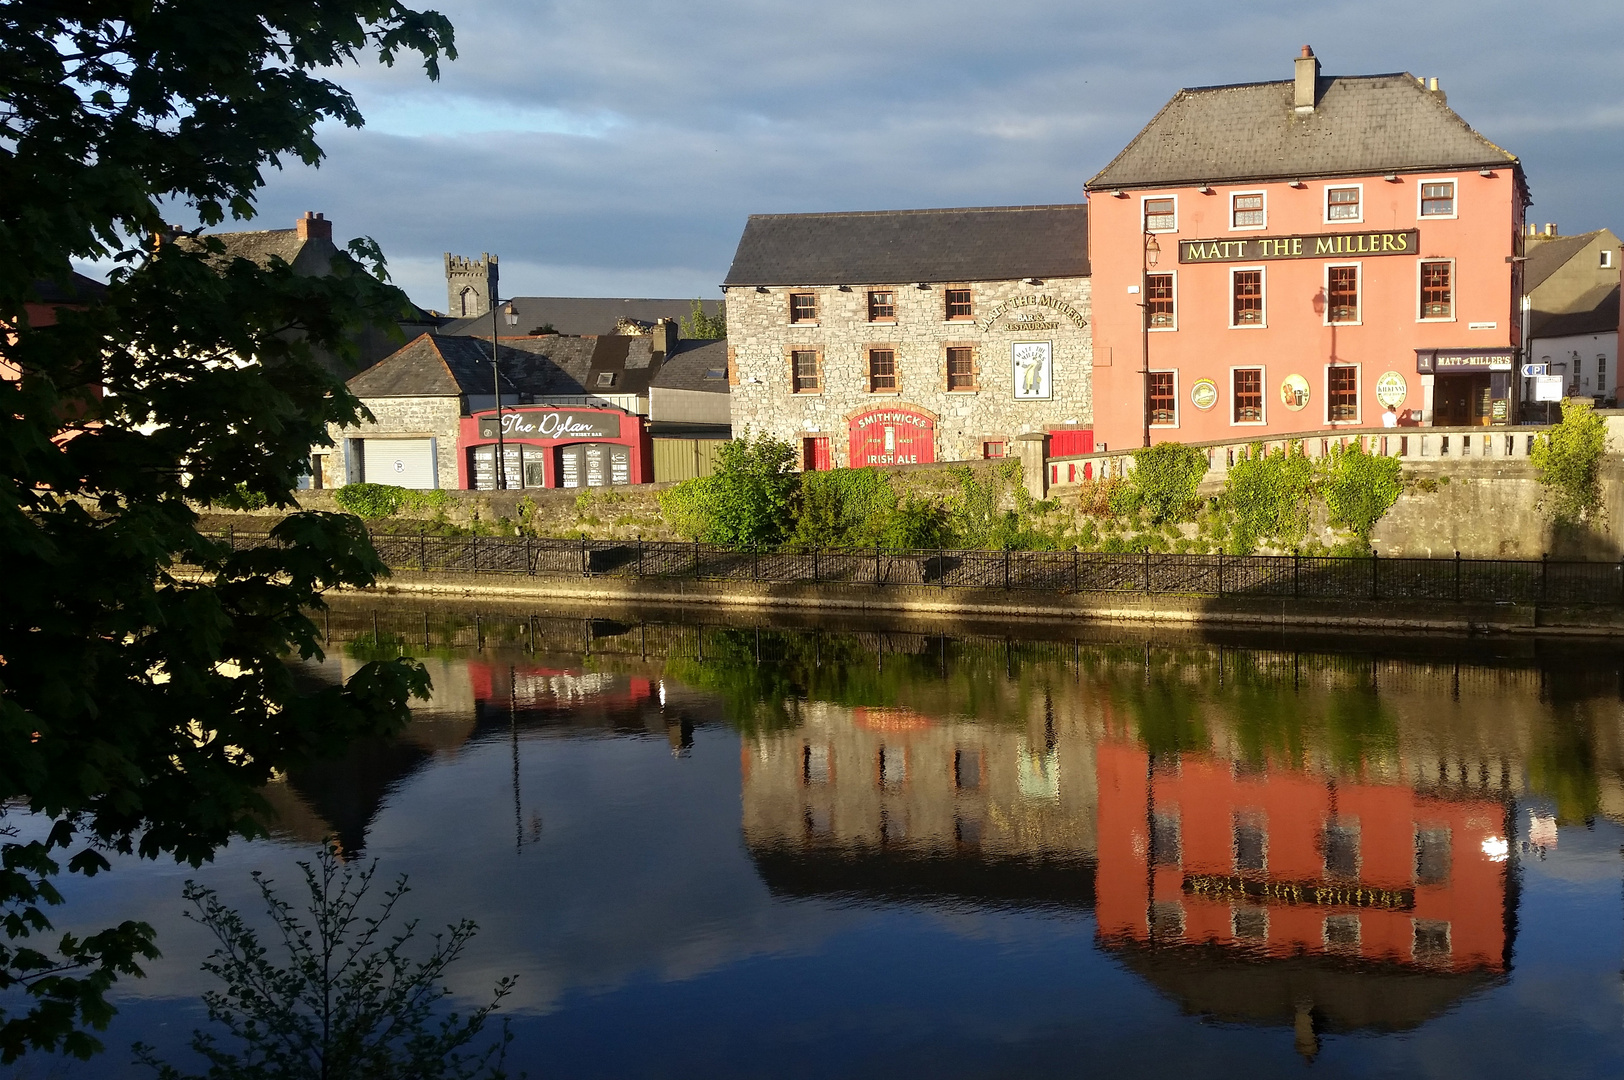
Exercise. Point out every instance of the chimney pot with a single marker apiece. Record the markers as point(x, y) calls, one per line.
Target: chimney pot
point(1307, 79)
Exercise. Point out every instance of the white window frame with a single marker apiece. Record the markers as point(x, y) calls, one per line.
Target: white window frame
point(1264, 195)
point(1454, 291)
point(1178, 403)
point(1261, 324)
point(1606, 261)
point(1145, 298)
point(1359, 294)
point(1454, 202)
point(1263, 387)
point(1358, 395)
point(1325, 204)
point(1143, 199)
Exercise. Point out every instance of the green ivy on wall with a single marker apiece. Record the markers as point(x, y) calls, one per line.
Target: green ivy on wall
point(1567, 461)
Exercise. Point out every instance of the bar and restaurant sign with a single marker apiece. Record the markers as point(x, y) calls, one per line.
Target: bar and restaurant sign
point(1315, 246)
point(552, 424)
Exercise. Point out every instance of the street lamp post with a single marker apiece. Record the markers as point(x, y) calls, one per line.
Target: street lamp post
point(1153, 253)
point(496, 386)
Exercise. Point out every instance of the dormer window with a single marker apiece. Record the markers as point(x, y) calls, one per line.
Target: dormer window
point(606, 379)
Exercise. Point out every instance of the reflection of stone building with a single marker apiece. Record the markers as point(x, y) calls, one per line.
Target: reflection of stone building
point(888, 800)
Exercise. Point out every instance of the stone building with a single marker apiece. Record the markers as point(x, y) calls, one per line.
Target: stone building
point(911, 336)
point(470, 284)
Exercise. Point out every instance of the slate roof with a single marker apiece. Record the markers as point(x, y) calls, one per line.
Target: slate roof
point(885, 247)
point(580, 315)
point(533, 368)
point(1362, 125)
point(310, 257)
point(691, 365)
point(430, 366)
point(78, 290)
point(1593, 312)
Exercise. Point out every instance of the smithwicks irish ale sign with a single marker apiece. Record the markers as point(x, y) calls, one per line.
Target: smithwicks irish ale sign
point(1318, 246)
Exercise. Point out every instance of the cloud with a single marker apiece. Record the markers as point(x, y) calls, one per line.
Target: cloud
point(615, 147)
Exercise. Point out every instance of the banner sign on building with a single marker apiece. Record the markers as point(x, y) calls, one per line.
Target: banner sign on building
point(1315, 246)
point(892, 437)
point(1461, 361)
point(552, 424)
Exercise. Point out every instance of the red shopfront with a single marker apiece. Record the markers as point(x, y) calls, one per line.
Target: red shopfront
point(555, 448)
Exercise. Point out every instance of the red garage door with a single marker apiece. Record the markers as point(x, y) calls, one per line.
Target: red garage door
point(892, 437)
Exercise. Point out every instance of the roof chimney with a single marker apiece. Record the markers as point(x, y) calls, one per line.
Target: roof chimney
point(1307, 81)
point(1550, 228)
point(314, 226)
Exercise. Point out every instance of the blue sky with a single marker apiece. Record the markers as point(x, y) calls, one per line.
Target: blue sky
point(615, 147)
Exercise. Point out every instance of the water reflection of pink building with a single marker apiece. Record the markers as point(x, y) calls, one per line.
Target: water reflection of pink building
point(1299, 882)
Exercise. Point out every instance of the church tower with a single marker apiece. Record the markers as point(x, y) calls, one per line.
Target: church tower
point(469, 285)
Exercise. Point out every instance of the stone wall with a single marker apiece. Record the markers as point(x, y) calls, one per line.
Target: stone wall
point(402, 417)
point(761, 338)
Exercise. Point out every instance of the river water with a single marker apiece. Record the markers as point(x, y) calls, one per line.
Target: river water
point(840, 850)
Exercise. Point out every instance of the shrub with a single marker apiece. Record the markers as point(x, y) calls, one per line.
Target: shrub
point(843, 507)
point(1163, 482)
point(748, 500)
point(1359, 488)
point(370, 501)
point(1268, 498)
point(240, 498)
point(1567, 461)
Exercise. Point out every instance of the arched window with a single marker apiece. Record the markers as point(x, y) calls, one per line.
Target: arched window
point(470, 301)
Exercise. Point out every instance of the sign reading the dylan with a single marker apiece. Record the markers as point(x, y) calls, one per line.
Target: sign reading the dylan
point(552, 424)
point(1316, 246)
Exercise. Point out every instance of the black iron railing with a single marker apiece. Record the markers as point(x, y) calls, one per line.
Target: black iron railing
point(1315, 577)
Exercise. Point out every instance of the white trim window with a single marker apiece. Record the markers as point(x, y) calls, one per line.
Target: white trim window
point(1342, 399)
point(1606, 262)
point(1435, 290)
point(1344, 204)
point(1159, 213)
point(1435, 197)
point(1248, 210)
point(1344, 294)
point(1248, 400)
point(1162, 300)
point(1248, 294)
point(1164, 398)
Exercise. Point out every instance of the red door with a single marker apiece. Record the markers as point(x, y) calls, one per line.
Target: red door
point(815, 453)
point(892, 437)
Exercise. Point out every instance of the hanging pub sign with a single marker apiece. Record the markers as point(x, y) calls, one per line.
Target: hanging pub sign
point(1461, 361)
point(1313, 246)
point(552, 424)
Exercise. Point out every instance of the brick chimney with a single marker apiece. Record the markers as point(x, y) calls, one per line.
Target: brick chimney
point(314, 226)
point(664, 333)
point(1307, 81)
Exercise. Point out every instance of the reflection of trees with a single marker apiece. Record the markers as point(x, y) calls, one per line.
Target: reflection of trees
point(1562, 765)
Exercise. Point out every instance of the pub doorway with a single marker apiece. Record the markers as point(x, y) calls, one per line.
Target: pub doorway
point(1462, 401)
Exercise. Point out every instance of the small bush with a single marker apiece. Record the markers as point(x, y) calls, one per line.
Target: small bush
point(748, 500)
point(371, 501)
point(1359, 488)
point(1268, 498)
point(240, 498)
point(1162, 484)
point(1567, 461)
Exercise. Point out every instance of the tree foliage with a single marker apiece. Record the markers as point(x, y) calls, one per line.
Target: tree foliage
point(1162, 483)
point(144, 694)
point(347, 999)
point(1359, 488)
point(748, 501)
point(1567, 460)
point(700, 325)
point(1268, 496)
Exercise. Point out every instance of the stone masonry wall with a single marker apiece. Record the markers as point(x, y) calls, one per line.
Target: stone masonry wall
point(404, 417)
point(761, 338)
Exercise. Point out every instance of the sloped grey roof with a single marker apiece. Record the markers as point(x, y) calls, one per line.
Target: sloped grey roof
point(580, 315)
point(1361, 125)
point(1548, 256)
point(430, 366)
point(885, 247)
point(1594, 312)
point(78, 289)
point(690, 366)
point(311, 257)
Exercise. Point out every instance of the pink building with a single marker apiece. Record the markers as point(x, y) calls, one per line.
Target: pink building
point(1324, 248)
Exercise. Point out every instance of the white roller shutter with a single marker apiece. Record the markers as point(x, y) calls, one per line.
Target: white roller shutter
point(407, 463)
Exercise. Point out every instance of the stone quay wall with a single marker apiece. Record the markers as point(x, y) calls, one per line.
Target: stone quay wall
point(761, 339)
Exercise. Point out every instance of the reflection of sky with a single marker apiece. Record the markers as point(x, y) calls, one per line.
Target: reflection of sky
point(647, 946)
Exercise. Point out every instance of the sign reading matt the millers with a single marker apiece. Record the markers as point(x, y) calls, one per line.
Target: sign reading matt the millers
point(552, 424)
point(1315, 246)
